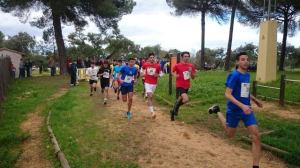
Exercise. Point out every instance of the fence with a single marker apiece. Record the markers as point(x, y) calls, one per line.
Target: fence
point(5, 76)
point(281, 89)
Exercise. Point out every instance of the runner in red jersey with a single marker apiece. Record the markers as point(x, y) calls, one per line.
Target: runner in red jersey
point(183, 72)
point(150, 71)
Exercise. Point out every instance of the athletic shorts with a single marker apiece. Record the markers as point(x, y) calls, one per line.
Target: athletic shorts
point(150, 88)
point(126, 89)
point(233, 119)
point(92, 81)
point(104, 83)
point(180, 91)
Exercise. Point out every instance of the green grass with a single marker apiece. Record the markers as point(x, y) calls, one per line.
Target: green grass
point(290, 91)
point(86, 131)
point(23, 97)
point(208, 88)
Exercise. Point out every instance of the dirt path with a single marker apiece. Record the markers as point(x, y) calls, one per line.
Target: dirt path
point(32, 150)
point(178, 145)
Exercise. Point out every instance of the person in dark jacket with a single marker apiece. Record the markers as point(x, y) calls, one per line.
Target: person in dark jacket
point(73, 73)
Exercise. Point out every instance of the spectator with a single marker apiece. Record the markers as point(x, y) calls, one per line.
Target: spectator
point(22, 69)
point(73, 70)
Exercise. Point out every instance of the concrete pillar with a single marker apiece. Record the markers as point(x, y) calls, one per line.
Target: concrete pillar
point(267, 52)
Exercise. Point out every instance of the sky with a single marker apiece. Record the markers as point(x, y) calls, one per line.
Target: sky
point(152, 22)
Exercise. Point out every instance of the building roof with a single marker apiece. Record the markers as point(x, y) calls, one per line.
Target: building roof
point(14, 51)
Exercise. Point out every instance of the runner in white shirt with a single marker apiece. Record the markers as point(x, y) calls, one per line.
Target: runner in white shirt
point(92, 73)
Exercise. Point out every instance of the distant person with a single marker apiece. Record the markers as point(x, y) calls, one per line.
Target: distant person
point(73, 73)
point(41, 68)
point(116, 80)
point(22, 69)
point(104, 74)
point(184, 72)
point(127, 76)
point(92, 73)
point(239, 107)
point(51, 64)
point(28, 67)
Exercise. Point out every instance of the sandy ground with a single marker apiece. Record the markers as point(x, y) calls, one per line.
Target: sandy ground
point(175, 144)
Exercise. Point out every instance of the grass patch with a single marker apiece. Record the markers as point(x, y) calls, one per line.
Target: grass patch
point(88, 133)
point(23, 97)
point(208, 88)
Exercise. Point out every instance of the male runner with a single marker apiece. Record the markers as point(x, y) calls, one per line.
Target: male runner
point(104, 73)
point(183, 72)
point(239, 107)
point(127, 76)
point(116, 82)
point(92, 73)
point(151, 72)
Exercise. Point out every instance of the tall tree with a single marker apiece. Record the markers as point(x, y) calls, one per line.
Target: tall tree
point(105, 13)
point(233, 4)
point(213, 8)
point(287, 13)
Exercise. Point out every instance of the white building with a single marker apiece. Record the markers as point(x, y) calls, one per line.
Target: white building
point(15, 57)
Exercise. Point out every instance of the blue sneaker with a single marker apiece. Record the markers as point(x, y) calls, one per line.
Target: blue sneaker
point(129, 115)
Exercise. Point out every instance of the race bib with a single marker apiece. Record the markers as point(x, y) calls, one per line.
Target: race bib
point(105, 75)
point(151, 71)
point(128, 79)
point(186, 75)
point(245, 90)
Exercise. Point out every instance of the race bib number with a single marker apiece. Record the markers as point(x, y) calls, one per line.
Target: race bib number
point(186, 75)
point(245, 90)
point(128, 79)
point(151, 71)
point(105, 75)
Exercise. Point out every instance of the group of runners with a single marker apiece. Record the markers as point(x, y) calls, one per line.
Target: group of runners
point(237, 91)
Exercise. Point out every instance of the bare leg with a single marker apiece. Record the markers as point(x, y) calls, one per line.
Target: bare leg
point(256, 145)
point(130, 95)
point(230, 131)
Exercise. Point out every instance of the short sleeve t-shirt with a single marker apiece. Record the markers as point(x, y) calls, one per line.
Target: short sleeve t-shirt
point(184, 75)
point(116, 70)
point(105, 73)
point(150, 71)
point(127, 75)
point(92, 72)
point(240, 85)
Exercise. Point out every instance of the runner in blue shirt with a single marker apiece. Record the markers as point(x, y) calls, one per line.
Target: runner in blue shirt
point(127, 76)
point(239, 107)
point(116, 82)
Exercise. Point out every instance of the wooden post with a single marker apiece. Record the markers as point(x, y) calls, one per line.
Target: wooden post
point(254, 88)
point(282, 90)
point(170, 75)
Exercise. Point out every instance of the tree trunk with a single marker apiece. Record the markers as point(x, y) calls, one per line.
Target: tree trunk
point(60, 43)
point(228, 54)
point(202, 59)
point(284, 39)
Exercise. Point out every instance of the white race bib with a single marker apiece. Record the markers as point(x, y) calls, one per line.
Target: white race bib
point(186, 75)
point(245, 90)
point(105, 75)
point(128, 79)
point(151, 71)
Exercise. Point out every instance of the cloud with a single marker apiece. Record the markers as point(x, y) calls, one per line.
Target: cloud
point(151, 23)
